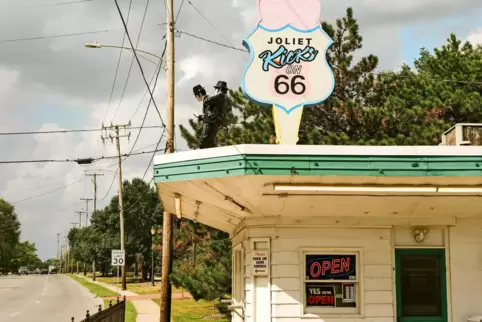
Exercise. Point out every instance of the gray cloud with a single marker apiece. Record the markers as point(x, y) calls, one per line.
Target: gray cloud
point(57, 83)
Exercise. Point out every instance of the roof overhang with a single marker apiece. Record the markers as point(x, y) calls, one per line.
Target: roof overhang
point(223, 186)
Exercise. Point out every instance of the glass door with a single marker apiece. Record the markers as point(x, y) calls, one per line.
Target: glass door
point(421, 285)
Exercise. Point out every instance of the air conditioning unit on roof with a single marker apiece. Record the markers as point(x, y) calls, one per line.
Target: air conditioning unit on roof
point(463, 134)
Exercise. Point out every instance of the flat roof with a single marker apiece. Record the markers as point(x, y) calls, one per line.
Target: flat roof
point(318, 150)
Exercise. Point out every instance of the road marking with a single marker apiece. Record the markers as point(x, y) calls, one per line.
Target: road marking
point(16, 313)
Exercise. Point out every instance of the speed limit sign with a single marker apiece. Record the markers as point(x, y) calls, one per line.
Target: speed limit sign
point(118, 257)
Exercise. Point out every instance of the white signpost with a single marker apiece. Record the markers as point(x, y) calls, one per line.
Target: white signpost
point(260, 263)
point(118, 259)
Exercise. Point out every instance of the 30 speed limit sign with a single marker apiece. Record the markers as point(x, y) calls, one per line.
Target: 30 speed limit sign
point(118, 257)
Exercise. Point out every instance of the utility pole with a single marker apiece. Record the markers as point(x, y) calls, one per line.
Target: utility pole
point(58, 241)
point(80, 217)
point(86, 210)
point(114, 134)
point(167, 226)
point(94, 180)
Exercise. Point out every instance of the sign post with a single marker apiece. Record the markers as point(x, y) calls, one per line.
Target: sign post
point(288, 69)
point(118, 258)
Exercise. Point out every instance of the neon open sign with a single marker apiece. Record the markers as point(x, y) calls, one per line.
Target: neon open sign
point(330, 267)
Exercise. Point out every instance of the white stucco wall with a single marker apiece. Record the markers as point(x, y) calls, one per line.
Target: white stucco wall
point(284, 288)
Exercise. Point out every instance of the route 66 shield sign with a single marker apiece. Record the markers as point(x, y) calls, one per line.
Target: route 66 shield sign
point(287, 69)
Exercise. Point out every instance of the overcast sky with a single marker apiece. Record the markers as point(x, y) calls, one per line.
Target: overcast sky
point(55, 83)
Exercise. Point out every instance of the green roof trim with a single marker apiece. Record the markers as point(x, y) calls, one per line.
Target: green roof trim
point(319, 165)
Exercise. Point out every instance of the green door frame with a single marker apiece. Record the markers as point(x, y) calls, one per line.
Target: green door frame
point(398, 280)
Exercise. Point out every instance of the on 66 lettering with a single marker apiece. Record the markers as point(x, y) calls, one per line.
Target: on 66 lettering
point(296, 87)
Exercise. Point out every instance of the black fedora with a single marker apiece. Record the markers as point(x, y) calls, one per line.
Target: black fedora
point(198, 89)
point(221, 85)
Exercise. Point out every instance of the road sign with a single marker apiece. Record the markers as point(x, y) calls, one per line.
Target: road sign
point(260, 263)
point(118, 257)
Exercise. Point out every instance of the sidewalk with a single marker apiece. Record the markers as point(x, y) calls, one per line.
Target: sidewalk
point(147, 310)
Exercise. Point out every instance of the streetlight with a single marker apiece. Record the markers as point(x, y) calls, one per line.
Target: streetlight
point(97, 45)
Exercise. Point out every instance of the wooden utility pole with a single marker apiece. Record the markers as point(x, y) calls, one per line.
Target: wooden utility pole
point(80, 217)
point(58, 243)
point(115, 134)
point(86, 210)
point(167, 226)
point(94, 180)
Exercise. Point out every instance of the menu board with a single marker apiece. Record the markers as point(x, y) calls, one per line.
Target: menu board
point(330, 267)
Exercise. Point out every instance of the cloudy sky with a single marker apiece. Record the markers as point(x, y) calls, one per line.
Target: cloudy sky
point(52, 83)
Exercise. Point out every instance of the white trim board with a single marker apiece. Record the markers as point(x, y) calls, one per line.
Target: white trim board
point(272, 149)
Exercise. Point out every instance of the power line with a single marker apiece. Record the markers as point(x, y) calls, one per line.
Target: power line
point(370, 73)
point(211, 41)
point(73, 131)
point(179, 11)
point(115, 174)
point(48, 192)
point(59, 36)
point(212, 25)
point(132, 60)
point(80, 160)
point(55, 4)
point(137, 59)
point(151, 99)
point(118, 64)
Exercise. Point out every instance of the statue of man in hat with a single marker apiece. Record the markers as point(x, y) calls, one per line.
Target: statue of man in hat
point(214, 112)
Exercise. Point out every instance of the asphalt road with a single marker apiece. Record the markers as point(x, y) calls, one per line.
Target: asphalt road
point(50, 298)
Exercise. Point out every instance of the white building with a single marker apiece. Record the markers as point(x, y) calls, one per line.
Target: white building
point(340, 233)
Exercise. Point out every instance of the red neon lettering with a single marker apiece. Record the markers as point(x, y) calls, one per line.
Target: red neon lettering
point(335, 266)
point(345, 264)
point(320, 299)
point(327, 300)
point(315, 266)
point(326, 266)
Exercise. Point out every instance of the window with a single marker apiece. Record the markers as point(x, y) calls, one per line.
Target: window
point(331, 282)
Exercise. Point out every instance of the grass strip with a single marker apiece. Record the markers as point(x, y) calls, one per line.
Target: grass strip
point(100, 291)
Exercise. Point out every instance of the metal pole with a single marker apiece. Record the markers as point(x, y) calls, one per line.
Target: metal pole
point(152, 261)
point(165, 301)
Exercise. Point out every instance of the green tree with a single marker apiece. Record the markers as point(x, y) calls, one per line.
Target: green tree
point(203, 262)
point(333, 122)
point(142, 210)
point(25, 255)
point(9, 235)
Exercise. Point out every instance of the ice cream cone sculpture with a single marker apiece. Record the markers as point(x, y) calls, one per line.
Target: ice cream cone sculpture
point(288, 70)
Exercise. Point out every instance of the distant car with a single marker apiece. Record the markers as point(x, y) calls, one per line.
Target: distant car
point(45, 271)
point(53, 271)
point(23, 270)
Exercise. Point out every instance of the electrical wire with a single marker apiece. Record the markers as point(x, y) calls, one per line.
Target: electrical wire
point(48, 192)
point(118, 63)
point(211, 24)
point(179, 11)
point(116, 171)
point(55, 4)
point(58, 36)
point(137, 59)
point(89, 160)
point(151, 100)
point(72, 131)
point(132, 60)
point(211, 41)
